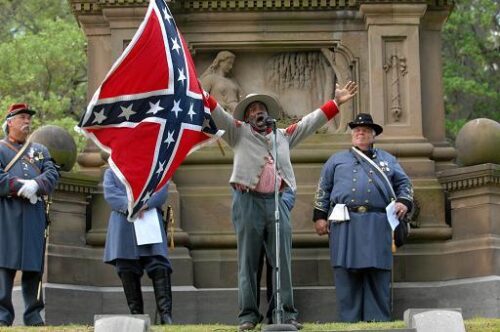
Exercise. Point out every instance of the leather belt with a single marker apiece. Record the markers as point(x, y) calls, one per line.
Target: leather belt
point(365, 209)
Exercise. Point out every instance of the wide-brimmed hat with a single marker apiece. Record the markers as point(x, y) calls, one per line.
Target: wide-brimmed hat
point(365, 120)
point(273, 106)
point(16, 109)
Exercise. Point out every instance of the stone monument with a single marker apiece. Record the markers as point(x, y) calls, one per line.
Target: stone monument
point(295, 49)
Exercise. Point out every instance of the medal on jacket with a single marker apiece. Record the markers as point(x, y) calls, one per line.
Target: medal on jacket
point(39, 156)
point(384, 165)
point(31, 154)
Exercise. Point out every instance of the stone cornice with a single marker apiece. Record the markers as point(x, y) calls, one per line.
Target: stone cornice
point(95, 6)
point(77, 183)
point(470, 177)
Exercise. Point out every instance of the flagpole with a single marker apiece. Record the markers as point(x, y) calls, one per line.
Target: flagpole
point(221, 148)
point(278, 321)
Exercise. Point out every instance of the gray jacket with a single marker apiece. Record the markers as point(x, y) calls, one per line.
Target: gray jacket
point(251, 148)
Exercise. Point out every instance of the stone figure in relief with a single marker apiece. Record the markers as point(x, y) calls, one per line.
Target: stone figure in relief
point(217, 81)
point(303, 80)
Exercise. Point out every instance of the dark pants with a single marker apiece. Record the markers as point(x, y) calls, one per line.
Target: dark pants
point(363, 295)
point(254, 223)
point(146, 263)
point(32, 306)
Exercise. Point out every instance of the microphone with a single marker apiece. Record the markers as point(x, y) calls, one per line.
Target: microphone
point(270, 122)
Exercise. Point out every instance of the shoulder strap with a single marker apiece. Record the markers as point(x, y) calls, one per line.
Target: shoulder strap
point(18, 155)
point(358, 154)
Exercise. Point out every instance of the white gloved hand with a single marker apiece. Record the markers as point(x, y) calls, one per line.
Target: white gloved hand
point(33, 199)
point(29, 188)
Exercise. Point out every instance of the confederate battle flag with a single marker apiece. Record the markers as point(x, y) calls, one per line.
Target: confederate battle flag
point(149, 112)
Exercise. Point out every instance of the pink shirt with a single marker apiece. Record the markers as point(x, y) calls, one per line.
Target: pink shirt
point(266, 181)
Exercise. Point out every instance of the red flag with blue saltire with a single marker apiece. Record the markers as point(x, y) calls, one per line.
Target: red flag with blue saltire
point(149, 112)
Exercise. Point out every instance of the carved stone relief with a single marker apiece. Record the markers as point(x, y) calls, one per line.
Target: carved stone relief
point(395, 70)
point(305, 80)
point(218, 81)
point(345, 66)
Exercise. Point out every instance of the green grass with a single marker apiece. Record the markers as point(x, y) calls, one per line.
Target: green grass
point(472, 325)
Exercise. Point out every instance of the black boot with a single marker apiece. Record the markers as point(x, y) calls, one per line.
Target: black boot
point(163, 294)
point(132, 287)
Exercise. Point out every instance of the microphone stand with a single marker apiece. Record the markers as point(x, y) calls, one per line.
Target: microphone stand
point(278, 323)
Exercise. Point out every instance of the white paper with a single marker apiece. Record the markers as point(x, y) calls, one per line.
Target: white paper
point(147, 229)
point(391, 215)
point(339, 213)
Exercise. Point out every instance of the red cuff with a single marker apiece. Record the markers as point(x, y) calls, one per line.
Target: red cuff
point(330, 109)
point(13, 187)
point(210, 102)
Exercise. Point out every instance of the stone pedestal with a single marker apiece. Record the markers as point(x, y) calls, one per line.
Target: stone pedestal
point(393, 50)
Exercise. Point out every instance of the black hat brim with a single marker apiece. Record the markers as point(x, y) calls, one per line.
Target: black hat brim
point(24, 110)
point(378, 129)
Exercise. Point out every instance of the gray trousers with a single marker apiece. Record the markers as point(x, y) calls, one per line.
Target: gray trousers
point(363, 294)
point(29, 285)
point(254, 223)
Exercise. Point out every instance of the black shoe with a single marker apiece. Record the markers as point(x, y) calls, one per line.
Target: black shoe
point(295, 323)
point(246, 326)
point(4, 323)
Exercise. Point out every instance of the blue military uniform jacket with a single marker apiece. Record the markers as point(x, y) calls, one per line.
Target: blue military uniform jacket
point(366, 240)
point(121, 242)
point(22, 224)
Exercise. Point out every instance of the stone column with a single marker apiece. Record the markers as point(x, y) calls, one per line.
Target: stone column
point(395, 101)
point(99, 61)
point(433, 115)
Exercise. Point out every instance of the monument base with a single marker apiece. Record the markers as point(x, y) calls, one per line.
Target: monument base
point(67, 304)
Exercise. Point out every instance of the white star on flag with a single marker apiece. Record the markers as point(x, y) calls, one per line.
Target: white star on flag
point(166, 15)
point(161, 167)
point(127, 112)
point(99, 116)
point(154, 108)
point(146, 197)
point(191, 112)
point(176, 109)
point(176, 46)
point(182, 77)
point(170, 138)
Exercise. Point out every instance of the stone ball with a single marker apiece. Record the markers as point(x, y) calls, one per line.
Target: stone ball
point(61, 145)
point(478, 142)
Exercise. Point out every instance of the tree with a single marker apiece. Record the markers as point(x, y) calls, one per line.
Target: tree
point(43, 61)
point(471, 52)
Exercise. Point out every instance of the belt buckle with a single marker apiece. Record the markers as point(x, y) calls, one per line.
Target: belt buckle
point(362, 209)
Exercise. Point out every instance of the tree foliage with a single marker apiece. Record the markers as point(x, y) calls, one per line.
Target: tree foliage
point(471, 61)
point(42, 60)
